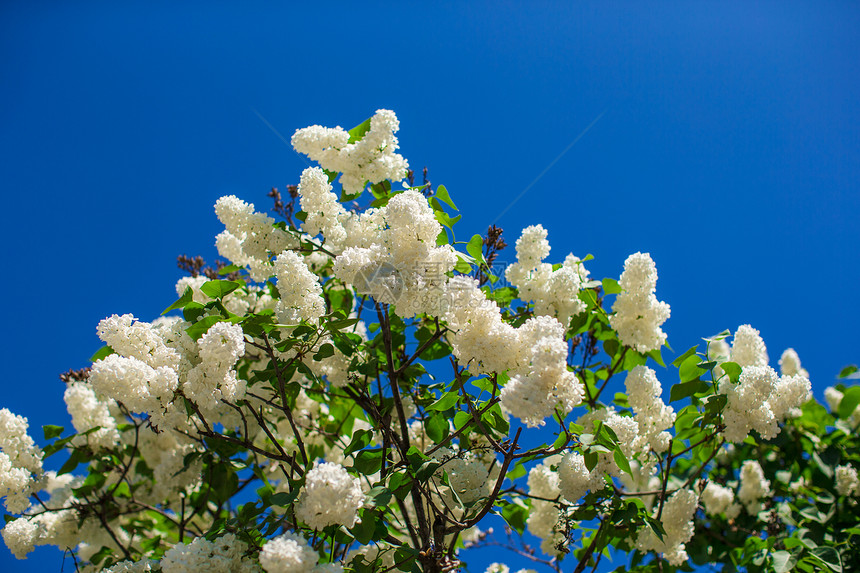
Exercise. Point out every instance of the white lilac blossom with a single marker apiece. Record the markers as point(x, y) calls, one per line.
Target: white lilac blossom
point(754, 486)
point(719, 499)
point(748, 348)
point(135, 339)
point(224, 555)
point(299, 289)
point(372, 158)
point(467, 474)
point(20, 462)
point(543, 483)
point(288, 553)
point(542, 382)
point(677, 520)
point(142, 566)
point(789, 364)
point(213, 381)
point(847, 482)
point(139, 386)
point(574, 478)
point(638, 314)
point(403, 265)
point(88, 412)
point(759, 401)
point(250, 238)
point(325, 483)
point(653, 416)
point(554, 293)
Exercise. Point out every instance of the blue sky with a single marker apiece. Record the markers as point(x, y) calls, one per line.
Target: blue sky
point(728, 147)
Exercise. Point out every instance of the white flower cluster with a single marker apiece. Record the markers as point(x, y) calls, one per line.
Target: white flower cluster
point(759, 401)
point(224, 555)
point(719, 499)
point(543, 519)
point(330, 496)
point(250, 238)
point(214, 380)
point(789, 364)
point(543, 381)
point(748, 348)
point(403, 265)
point(88, 412)
point(847, 482)
point(638, 314)
point(653, 416)
point(20, 462)
point(372, 158)
point(299, 289)
point(290, 553)
point(754, 486)
point(554, 293)
point(677, 520)
point(574, 478)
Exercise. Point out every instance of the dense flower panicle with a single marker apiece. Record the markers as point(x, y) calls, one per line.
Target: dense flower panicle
point(402, 265)
point(134, 339)
point(543, 483)
point(370, 159)
point(299, 288)
point(542, 381)
point(288, 553)
point(139, 386)
point(789, 364)
point(251, 238)
point(325, 214)
point(574, 478)
point(330, 496)
point(677, 520)
point(20, 462)
point(653, 416)
point(224, 555)
point(88, 412)
point(719, 499)
point(638, 314)
point(847, 481)
point(213, 381)
point(467, 474)
point(748, 348)
point(554, 293)
point(20, 535)
point(754, 486)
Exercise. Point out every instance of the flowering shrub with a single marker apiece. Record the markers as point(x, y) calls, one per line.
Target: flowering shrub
point(357, 391)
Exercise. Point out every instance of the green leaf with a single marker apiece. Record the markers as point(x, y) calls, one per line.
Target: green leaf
point(689, 369)
point(186, 297)
point(680, 360)
point(219, 288)
point(442, 194)
point(325, 351)
point(829, 556)
point(687, 389)
point(361, 439)
point(202, 326)
point(229, 269)
point(850, 401)
point(732, 369)
point(52, 432)
point(847, 371)
point(368, 462)
point(437, 427)
point(341, 324)
point(611, 286)
point(446, 402)
point(621, 460)
point(379, 496)
point(783, 561)
point(475, 248)
point(102, 353)
point(445, 220)
point(359, 131)
point(283, 499)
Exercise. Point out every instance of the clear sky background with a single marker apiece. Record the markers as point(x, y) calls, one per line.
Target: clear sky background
point(728, 147)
